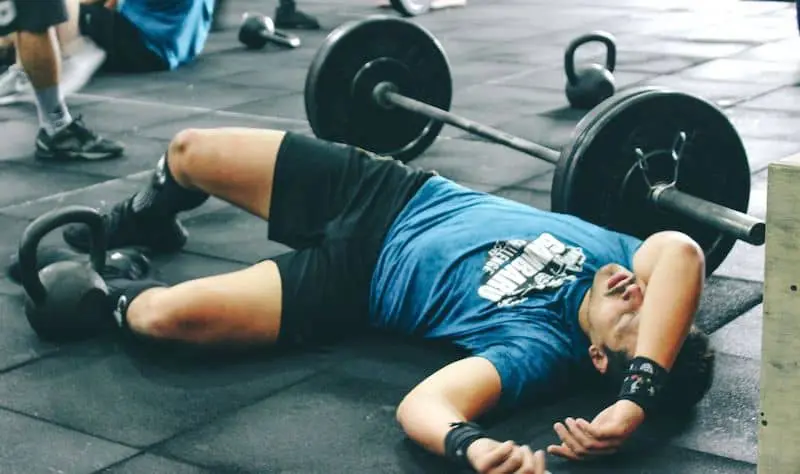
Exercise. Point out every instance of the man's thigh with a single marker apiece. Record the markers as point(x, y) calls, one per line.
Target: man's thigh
point(328, 191)
point(324, 293)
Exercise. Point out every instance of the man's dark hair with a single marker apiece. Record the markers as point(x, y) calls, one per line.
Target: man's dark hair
point(689, 379)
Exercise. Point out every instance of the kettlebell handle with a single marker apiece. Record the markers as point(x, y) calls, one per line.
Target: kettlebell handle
point(43, 225)
point(595, 36)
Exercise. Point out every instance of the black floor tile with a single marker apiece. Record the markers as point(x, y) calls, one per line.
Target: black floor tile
point(285, 106)
point(152, 393)
point(18, 342)
point(766, 124)
point(722, 93)
point(555, 78)
point(761, 152)
point(739, 70)
point(269, 77)
point(18, 138)
point(480, 162)
point(32, 446)
point(223, 119)
point(207, 95)
point(101, 195)
point(21, 184)
point(727, 419)
point(358, 409)
point(111, 116)
point(150, 464)
point(786, 99)
point(244, 238)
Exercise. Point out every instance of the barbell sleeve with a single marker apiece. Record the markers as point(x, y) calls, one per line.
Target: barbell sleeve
point(737, 224)
point(385, 94)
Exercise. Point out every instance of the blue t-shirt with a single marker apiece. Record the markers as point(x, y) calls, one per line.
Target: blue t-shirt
point(497, 278)
point(176, 30)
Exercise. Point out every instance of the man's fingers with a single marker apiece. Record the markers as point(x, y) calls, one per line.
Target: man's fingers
point(532, 463)
point(568, 439)
point(512, 462)
point(563, 451)
point(495, 457)
point(586, 439)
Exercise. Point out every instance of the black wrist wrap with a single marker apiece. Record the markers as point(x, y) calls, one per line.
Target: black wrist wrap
point(643, 383)
point(458, 440)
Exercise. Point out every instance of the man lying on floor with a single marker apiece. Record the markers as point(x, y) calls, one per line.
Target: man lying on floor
point(540, 300)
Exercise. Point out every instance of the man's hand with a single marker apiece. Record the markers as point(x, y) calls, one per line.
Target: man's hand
point(488, 456)
point(604, 435)
point(111, 4)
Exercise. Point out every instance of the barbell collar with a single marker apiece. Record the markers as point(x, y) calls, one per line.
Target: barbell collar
point(386, 95)
point(738, 224)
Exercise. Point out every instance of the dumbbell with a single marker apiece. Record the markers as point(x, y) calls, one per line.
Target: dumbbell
point(258, 30)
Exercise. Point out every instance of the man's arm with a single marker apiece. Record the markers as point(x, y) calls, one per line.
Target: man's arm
point(459, 392)
point(672, 266)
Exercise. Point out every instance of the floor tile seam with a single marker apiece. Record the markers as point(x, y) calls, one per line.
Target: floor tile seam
point(4, 209)
point(706, 453)
point(153, 448)
point(67, 427)
point(119, 462)
point(198, 110)
point(31, 361)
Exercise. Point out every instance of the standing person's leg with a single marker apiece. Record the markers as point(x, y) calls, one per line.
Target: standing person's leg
point(287, 16)
point(61, 136)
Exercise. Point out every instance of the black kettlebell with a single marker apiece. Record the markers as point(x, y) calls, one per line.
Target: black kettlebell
point(66, 301)
point(595, 83)
point(258, 30)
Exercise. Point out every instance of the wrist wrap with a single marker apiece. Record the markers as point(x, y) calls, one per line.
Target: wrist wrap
point(458, 439)
point(643, 383)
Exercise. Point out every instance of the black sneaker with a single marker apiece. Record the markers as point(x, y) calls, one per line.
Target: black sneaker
point(290, 18)
point(76, 142)
point(126, 229)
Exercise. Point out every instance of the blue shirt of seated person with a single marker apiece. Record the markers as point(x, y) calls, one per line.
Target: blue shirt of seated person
point(508, 290)
point(176, 30)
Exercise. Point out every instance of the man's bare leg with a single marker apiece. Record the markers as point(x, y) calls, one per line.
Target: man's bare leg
point(243, 307)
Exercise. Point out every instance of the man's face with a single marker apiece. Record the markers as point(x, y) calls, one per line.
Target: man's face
point(613, 309)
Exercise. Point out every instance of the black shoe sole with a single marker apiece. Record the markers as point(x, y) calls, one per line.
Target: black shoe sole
point(45, 155)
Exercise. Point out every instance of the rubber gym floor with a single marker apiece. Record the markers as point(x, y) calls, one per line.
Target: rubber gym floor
point(103, 406)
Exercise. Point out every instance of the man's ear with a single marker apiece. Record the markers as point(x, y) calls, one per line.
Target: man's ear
point(599, 359)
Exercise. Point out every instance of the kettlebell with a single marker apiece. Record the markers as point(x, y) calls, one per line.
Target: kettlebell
point(65, 301)
point(258, 30)
point(595, 83)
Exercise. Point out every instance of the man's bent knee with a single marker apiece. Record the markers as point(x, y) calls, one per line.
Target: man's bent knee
point(183, 148)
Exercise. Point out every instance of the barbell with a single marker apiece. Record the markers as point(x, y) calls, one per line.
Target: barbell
point(642, 161)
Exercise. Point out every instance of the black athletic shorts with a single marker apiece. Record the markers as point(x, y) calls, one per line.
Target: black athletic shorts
point(35, 16)
point(333, 204)
point(123, 42)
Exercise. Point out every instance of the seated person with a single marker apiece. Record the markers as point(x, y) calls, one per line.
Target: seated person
point(40, 74)
point(146, 35)
point(539, 300)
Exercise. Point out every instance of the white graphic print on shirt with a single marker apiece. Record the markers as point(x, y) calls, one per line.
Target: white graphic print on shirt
point(515, 268)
